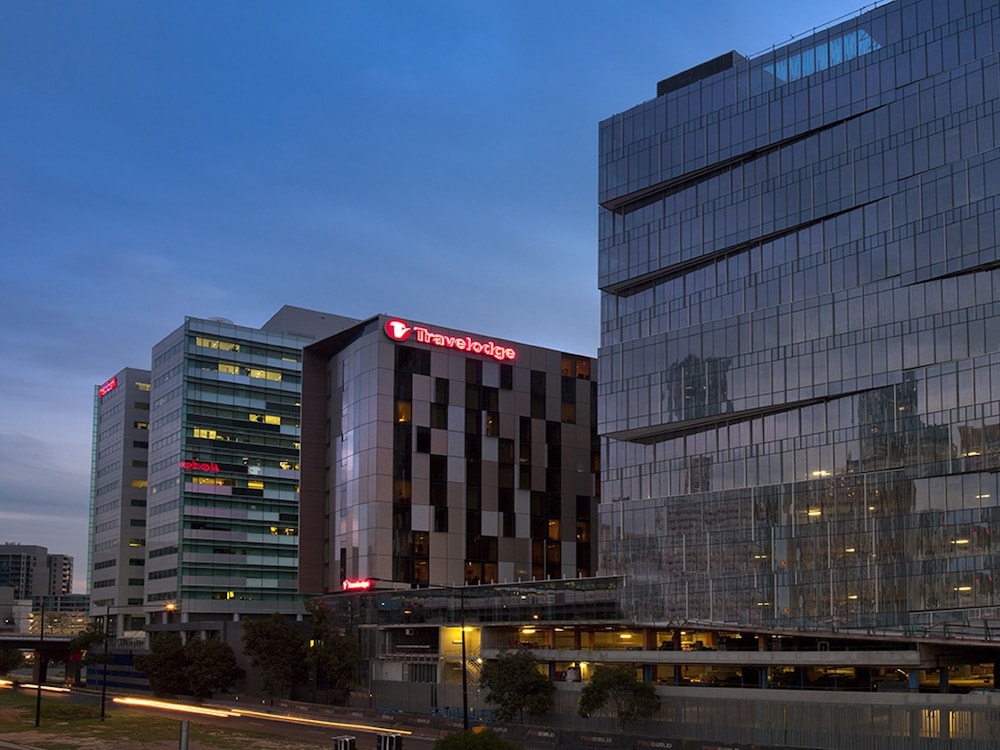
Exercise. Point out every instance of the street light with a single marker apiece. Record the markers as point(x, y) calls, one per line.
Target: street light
point(465, 671)
point(40, 666)
point(104, 682)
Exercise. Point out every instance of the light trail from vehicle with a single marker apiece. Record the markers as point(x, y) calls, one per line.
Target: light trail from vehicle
point(233, 713)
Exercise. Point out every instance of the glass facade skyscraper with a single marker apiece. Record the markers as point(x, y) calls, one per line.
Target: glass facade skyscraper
point(799, 373)
point(117, 530)
point(222, 516)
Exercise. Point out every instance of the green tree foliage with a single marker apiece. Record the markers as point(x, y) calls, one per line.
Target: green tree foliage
point(475, 740)
point(629, 698)
point(87, 641)
point(10, 659)
point(277, 649)
point(199, 668)
point(164, 665)
point(335, 656)
point(516, 686)
point(210, 667)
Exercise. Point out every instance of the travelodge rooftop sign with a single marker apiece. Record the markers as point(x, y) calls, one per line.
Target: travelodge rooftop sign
point(400, 330)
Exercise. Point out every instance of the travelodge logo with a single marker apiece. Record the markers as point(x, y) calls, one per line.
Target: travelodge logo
point(400, 330)
point(397, 330)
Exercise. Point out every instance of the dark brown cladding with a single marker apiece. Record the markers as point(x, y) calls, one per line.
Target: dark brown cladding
point(698, 72)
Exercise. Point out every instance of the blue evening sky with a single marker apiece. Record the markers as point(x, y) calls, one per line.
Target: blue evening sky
point(434, 160)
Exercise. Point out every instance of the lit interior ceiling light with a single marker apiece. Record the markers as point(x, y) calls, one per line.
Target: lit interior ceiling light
point(814, 513)
point(821, 473)
point(850, 549)
point(852, 597)
point(963, 588)
point(959, 541)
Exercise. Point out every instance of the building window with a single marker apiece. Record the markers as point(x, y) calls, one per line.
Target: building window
point(423, 440)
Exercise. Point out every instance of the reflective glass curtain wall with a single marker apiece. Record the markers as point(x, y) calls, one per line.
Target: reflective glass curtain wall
point(223, 496)
point(800, 362)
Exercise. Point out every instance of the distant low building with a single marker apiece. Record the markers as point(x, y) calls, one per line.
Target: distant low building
point(31, 571)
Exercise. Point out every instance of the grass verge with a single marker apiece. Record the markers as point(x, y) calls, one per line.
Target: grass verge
point(70, 726)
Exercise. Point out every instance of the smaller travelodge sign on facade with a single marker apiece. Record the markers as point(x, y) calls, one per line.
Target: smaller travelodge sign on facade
point(357, 584)
point(211, 468)
point(400, 330)
point(105, 389)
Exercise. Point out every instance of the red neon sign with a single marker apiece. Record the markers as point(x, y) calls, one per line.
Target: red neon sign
point(212, 468)
point(399, 330)
point(105, 389)
point(357, 584)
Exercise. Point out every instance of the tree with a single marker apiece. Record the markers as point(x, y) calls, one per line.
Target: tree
point(86, 641)
point(516, 685)
point(336, 657)
point(10, 659)
point(211, 666)
point(164, 665)
point(277, 648)
point(630, 698)
point(475, 740)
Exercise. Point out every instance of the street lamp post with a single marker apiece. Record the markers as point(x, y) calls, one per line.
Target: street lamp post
point(40, 667)
point(465, 672)
point(104, 681)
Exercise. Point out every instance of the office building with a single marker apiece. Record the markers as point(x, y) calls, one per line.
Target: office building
point(800, 359)
point(24, 568)
point(434, 456)
point(222, 515)
point(118, 501)
point(60, 574)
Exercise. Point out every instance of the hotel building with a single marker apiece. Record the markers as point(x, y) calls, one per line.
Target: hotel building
point(800, 357)
point(433, 456)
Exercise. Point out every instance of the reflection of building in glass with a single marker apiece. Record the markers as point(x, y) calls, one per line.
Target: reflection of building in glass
point(799, 358)
point(891, 431)
point(697, 388)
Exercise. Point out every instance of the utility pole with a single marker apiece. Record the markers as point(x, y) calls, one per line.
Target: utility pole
point(465, 672)
point(104, 682)
point(40, 666)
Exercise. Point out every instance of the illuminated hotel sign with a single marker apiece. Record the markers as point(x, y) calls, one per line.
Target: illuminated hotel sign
point(212, 468)
point(105, 389)
point(359, 584)
point(400, 330)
